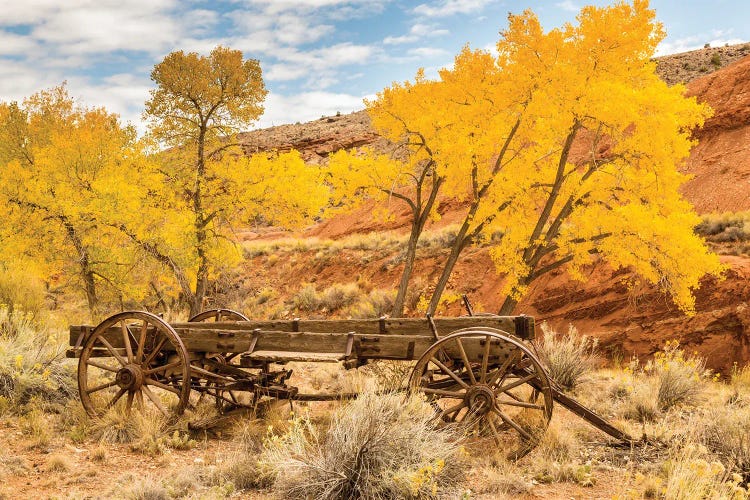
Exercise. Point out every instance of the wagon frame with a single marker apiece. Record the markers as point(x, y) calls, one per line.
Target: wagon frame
point(479, 372)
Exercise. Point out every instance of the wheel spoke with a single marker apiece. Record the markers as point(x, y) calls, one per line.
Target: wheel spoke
point(499, 375)
point(494, 430)
point(100, 387)
point(155, 352)
point(218, 316)
point(485, 359)
point(141, 342)
point(158, 369)
point(521, 404)
point(155, 400)
point(139, 401)
point(466, 360)
point(101, 365)
point(510, 422)
point(129, 403)
point(160, 385)
point(452, 409)
point(116, 398)
point(442, 392)
point(126, 341)
point(518, 382)
point(113, 351)
point(450, 373)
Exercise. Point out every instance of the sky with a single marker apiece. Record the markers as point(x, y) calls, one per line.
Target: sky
point(318, 57)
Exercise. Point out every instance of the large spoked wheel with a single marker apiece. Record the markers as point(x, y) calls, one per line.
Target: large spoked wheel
point(490, 384)
point(134, 359)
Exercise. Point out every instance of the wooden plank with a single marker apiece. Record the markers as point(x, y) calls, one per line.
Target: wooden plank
point(237, 336)
point(516, 325)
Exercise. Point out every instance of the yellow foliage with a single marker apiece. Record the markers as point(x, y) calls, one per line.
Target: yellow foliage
point(567, 144)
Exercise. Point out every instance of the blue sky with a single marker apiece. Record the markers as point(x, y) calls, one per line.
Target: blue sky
point(318, 56)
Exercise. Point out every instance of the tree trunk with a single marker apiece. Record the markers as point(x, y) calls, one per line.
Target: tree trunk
point(86, 271)
point(419, 219)
point(411, 253)
point(201, 281)
point(509, 304)
point(458, 245)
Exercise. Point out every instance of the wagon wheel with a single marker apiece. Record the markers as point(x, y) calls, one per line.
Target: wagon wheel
point(208, 387)
point(218, 315)
point(134, 359)
point(489, 383)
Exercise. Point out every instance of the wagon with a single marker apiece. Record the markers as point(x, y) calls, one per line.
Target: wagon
point(479, 372)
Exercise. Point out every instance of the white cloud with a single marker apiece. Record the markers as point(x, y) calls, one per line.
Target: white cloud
point(416, 32)
point(12, 44)
point(568, 5)
point(445, 8)
point(427, 52)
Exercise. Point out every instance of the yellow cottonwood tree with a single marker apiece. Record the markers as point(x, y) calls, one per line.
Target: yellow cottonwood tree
point(409, 174)
point(567, 145)
point(202, 182)
point(59, 163)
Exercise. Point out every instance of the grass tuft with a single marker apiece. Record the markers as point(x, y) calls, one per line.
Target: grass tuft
point(567, 357)
point(378, 446)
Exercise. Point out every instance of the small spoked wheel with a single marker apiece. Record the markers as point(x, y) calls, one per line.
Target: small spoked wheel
point(218, 315)
point(208, 385)
point(488, 383)
point(134, 360)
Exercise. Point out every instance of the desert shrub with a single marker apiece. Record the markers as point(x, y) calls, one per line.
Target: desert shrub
point(555, 459)
point(692, 473)
point(567, 357)
point(716, 60)
point(36, 427)
point(378, 446)
point(140, 488)
point(243, 471)
point(679, 378)
point(726, 227)
point(504, 480)
point(338, 295)
point(740, 378)
point(376, 304)
point(58, 463)
point(31, 363)
point(726, 432)
point(307, 299)
point(146, 433)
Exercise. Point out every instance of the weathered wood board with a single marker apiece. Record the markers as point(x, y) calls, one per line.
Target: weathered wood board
point(326, 340)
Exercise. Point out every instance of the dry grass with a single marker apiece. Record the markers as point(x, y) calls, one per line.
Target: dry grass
point(567, 357)
point(691, 473)
point(58, 463)
point(32, 366)
point(679, 377)
point(378, 446)
point(726, 432)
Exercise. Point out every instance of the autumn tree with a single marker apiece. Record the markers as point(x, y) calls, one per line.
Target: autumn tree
point(202, 183)
point(565, 147)
point(58, 161)
point(407, 174)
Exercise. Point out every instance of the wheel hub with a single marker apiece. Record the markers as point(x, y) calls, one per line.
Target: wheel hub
point(129, 377)
point(480, 399)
